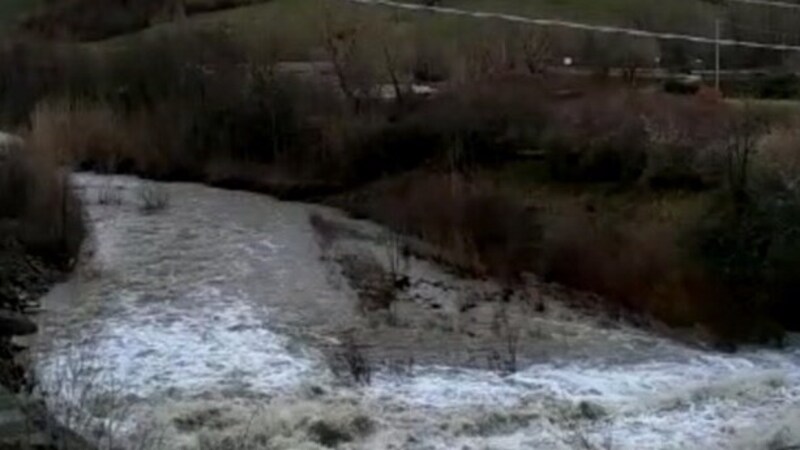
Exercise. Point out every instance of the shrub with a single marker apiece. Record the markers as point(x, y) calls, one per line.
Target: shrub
point(599, 138)
point(355, 361)
point(614, 136)
point(195, 68)
point(79, 132)
point(152, 198)
point(685, 140)
point(778, 155)
point(781, 86)
point(261, 123)
point(479, 228)
point(475, 126)
point(748, 243)
point(753, 251)
point(626, 263)
point(430, 64)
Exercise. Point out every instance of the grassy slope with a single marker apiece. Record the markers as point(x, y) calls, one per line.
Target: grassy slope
point(298, 22)
point(291, 20)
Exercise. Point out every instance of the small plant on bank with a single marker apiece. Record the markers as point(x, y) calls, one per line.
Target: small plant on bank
point(398, 256)
point(505, 361)
point(152, 198)
point(108, 195)
point(352, 357)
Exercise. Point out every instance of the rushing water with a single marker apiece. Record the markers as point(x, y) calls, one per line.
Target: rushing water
point(215, 318)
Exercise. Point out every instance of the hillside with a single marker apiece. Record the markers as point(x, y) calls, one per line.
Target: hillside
point(296, 27)
point(12, 10)
point(86, 20)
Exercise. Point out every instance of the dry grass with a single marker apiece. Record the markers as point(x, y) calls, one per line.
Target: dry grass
point(638, 264)
point(71, 132)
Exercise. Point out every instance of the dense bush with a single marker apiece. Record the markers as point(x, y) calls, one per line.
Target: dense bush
point(475, 126)
point(601, 138)
point(684, 143)
point(752, 249)
point(749, 242)
point(635, 264)
point(479, 228)
point(193, 67)
point(781, 86)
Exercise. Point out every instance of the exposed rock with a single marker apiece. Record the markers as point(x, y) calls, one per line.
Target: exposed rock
point(23, 278)
point(591, 411)
point(14, 324)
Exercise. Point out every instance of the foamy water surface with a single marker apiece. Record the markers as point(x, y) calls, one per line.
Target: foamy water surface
point(204, 320)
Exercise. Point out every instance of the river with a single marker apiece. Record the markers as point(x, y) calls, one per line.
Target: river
point(215, 322)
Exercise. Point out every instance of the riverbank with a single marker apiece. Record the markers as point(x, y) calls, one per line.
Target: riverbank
point(41, 230)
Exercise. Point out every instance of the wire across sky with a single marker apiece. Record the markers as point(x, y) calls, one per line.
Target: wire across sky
point(606, 29)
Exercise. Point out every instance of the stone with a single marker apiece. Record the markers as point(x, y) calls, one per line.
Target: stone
point(13, 324)
point(591, 411)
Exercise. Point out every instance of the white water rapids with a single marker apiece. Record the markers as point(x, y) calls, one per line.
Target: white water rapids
point(210, 324)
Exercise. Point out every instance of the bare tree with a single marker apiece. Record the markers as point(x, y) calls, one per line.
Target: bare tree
point(536, 51)
point(392, 69)
point(340, 45)
point(744, 131)
point(635, 56)
point(343, 39)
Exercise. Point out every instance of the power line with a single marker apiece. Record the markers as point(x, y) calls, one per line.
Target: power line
point(771, 3)
point(557, 23)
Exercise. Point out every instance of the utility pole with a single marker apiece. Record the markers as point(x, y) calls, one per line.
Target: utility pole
point(717, 55)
